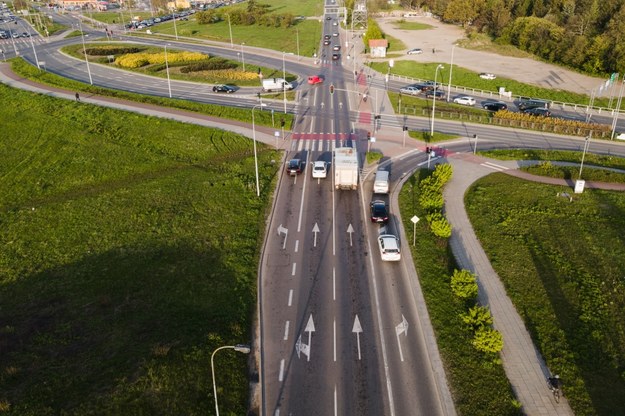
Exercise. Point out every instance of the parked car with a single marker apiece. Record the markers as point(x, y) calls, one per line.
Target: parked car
point(379, 211)
point(415, 51)
point(464, 100)
point(543, 112)
point(389, 247)
point(294, 166)
point(620, 136)
point(410, 90)
point(436, 94)
point(315, 79)
point(224, 88)
point(487, 75)
point(494, 106)
point(320, 169)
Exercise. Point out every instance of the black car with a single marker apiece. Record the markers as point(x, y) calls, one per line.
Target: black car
point(294, 167)
point(379, 211)
point(336, 56)
point(543, 112)
point(436, 94)
point(224, 88)
point(532, 103)
point(494, 106)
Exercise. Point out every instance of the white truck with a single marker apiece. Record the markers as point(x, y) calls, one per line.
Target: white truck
point(276, 84)
point(345, 168)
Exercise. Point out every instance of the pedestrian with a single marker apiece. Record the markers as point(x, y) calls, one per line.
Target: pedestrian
point(433, 50)
point(77, 97)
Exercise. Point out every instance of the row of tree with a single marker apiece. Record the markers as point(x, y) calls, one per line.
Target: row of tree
point(587, 35)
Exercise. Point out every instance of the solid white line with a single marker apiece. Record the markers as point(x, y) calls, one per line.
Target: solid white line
point(296, 245)
point(290, 297)
point(336, 406)
point(294, 267)
point(335, 340)
point(301, 205)
point(493, 166)
point(333, 283)
point(277, 412)
point(286, 331)
point(281, 375)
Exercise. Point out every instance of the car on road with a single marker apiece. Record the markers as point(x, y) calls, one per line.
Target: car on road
point(315, 79)
point(494, 106)
point(229, 89)
point(415, 51)
point(336, 56)
point(526, 104)
point(543, 112)
point(336, 48)
point(389, 247)
point(294, 166)
point(620, 136)
point(326, 42)
point(464, 100)
point(328, 18)
point(410, 90)
point(379, 211)
point(487, 75)
point(320, 169)
point(335, 34)
point(436, 94)
point(326, 37)
point(335, 23)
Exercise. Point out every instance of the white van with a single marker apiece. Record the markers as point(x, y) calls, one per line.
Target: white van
point(381, 183)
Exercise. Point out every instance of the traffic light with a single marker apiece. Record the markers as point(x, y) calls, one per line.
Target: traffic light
point(368, 135)
point(331, 89)
point(427, 150)
point(258, 96)
point(405, 128)
point(282, 122)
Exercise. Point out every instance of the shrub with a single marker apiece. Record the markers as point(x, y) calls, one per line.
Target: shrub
point(463, 284)
point(443, 173)
point(431, 198)
point(488, 340)
point(477, 317)
point(112, 50)
point(439, 225)
point(208, 65)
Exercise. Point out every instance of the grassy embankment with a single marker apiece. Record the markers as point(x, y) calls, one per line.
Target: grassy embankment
point(130, 250)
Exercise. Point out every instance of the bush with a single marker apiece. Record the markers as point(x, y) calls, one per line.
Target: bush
point(439, 225)
point(488, 340)
point(463, 284)
point(477, 317)
point(209, 65)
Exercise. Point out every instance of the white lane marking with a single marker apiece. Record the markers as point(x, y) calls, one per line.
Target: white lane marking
point(294, 267)
point(333, 284)
point(315, 230)
point(290, 297)
point(335, 340)
point(401, 328)
point(426, 162)
point(310, 328)
point(286, 330)
point(281, 375)
point(296, 245)
point(301, 205)
point(277, 412)
point(336, 406)
point(493, 166)
point(333, 219)
point(357, 328)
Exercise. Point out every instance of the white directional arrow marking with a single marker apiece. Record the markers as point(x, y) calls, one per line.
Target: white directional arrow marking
point(285, 231)
point(315, 230)
point(357, 329)
point(401, 328)
point(310, 328)
point(299, 347)
point(350, 230)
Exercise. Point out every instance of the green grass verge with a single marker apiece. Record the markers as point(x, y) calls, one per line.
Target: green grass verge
point(28, 71)
point(562, 264)
point(479, 385)
point(406, 25)
point(130, 250)
point(607, 161)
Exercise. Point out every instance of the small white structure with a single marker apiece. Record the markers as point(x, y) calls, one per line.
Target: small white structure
point(377, 48)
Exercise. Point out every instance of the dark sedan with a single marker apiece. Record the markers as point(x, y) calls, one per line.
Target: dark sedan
point(224, 88)
point(294, 167)
point(494, 106)
point(379, 212)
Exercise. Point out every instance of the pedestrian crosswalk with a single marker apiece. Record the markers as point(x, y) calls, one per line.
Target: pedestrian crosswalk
point(321, 142)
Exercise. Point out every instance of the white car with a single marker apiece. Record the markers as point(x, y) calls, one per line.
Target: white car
point(486, 75)
point(410, 90)
point(415, 51)
point(320, 169)
point(620, 136)
point(389, 247)
point(464, 100)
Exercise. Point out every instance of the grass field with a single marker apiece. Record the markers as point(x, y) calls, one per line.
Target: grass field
point(130, 249)
point(562, 264)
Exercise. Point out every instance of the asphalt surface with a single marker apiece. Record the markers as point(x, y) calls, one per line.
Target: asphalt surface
point(524, 366)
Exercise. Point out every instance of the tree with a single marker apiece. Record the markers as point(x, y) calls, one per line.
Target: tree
point(462, 11)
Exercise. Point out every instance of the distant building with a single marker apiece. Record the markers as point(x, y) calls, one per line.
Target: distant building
point(377, 48)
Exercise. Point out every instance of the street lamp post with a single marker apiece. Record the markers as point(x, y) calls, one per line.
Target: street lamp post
point(243, 56)
point(245, 349)
point(167, 70)
point(284, 80)
point(434, 100)
point(84, 51)
point(230, 30)
point(254, 139)
point(451, 67)
point(297, 36)
point(175, 28)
